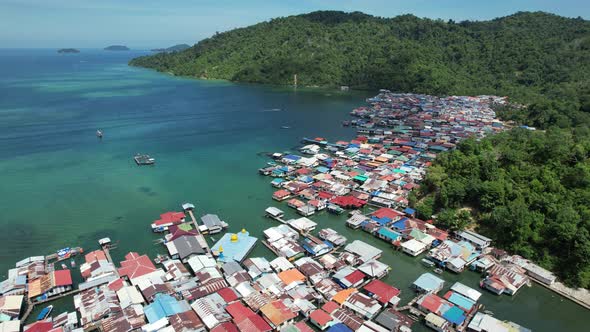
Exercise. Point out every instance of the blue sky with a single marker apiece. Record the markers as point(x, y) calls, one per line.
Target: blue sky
point(159, 23)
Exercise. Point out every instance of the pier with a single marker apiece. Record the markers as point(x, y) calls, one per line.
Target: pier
point(200, 238)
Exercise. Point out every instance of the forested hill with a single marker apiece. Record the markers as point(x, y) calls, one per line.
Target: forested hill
point(519, 55)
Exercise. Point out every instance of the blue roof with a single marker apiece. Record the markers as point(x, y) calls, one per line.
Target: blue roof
point(429, 282)
point(292, 157)
point(339, 328)
point(409, 211)
point(323, 169)
point(306, 179)
point(454, 315)
point(389, 234)
point(234, 251)
point(278, 180)
point(164, 305)
point(461, 301)
point(381, 221)
point(400, 224)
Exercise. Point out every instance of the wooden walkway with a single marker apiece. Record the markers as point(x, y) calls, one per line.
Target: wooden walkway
point(200, 238)
point(31, 305)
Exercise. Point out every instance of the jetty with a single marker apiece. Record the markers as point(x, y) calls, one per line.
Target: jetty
point(200, 238)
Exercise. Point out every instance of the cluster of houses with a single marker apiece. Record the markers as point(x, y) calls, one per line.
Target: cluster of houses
point(380, 166)
point(456, 310)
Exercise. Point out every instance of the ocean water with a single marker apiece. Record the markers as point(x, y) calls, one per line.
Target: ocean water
point(61, 186)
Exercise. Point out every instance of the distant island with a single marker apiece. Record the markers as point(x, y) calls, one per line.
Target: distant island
point(68, 50)
point(117, 48)
point(175, 48)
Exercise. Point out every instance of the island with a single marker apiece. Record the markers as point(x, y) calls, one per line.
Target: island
point(175, 48)
point(116, 48)
point(68, 50)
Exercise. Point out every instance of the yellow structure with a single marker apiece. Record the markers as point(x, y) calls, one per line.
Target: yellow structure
point(234, 238)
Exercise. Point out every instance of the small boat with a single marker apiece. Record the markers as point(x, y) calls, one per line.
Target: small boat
point(144, 159)
point(73, 263)
point(99, 134)
point(346, 123)
point(45, 312)
point(488, 312)
point(438, 271)
point(64, 266)
point(285, 127)
point(427, 262)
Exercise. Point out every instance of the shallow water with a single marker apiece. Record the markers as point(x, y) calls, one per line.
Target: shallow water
point(61, 186)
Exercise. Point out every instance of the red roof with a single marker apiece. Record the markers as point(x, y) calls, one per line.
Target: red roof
point(39, 327)
point(62, 278)
point(431, 303)
point(387, 213)
point(225, 327)
point(281, 193)
point(135, 266)
point(348, 201)
point(330, 306)
point(177, 232)
point(355, 277)
point(238, 311)
point(96, 255)
point(170, 218)
point(227, 294)
point(254, 323)
point(115, 285)
point(383, 292)
point(301, 326)
point(325, 195)
point(320, 317)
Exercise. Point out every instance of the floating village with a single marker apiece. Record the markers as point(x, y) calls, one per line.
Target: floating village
point(318, 280)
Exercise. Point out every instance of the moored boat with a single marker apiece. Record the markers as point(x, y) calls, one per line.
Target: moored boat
point(144, 159)
point(45, 312)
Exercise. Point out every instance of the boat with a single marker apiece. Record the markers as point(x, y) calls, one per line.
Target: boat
point(346, 123)
point(488, 312)
point(73, 263)
point(427, 262)
point(64, 266)
point(438, 271)
point(144, 159)
point(45, 312)
point(285, 127)
point(99, 134)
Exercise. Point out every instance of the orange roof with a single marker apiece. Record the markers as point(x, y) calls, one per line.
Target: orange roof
point(290, 276)
point(277, 312)
point(96, 255)
point(35, 288)
point(342, 295)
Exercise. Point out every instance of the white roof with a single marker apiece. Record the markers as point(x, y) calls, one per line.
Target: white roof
point(302, 223)
point(200, 262)
point(281, 264)
point(373, 268)
point(10, 326)
point(129, 295)
point(413, 245)
point(436, 320)
point(273, 211)
point(364, 250)
point(466, 291)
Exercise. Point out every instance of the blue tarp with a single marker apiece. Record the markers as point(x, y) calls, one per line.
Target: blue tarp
point(409, 211)
point(454, 315)
point(292, 157)
point(381, 221)
point(339, 328)
point(389, 234)
point(164, 305)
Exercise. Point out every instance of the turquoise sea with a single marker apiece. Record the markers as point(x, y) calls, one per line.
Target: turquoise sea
point(60, 186)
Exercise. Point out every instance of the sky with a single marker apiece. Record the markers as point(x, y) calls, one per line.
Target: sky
point(144, 24)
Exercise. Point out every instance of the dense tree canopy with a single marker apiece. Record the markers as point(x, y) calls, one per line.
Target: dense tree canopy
point(524, 56)
point(529, 191)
